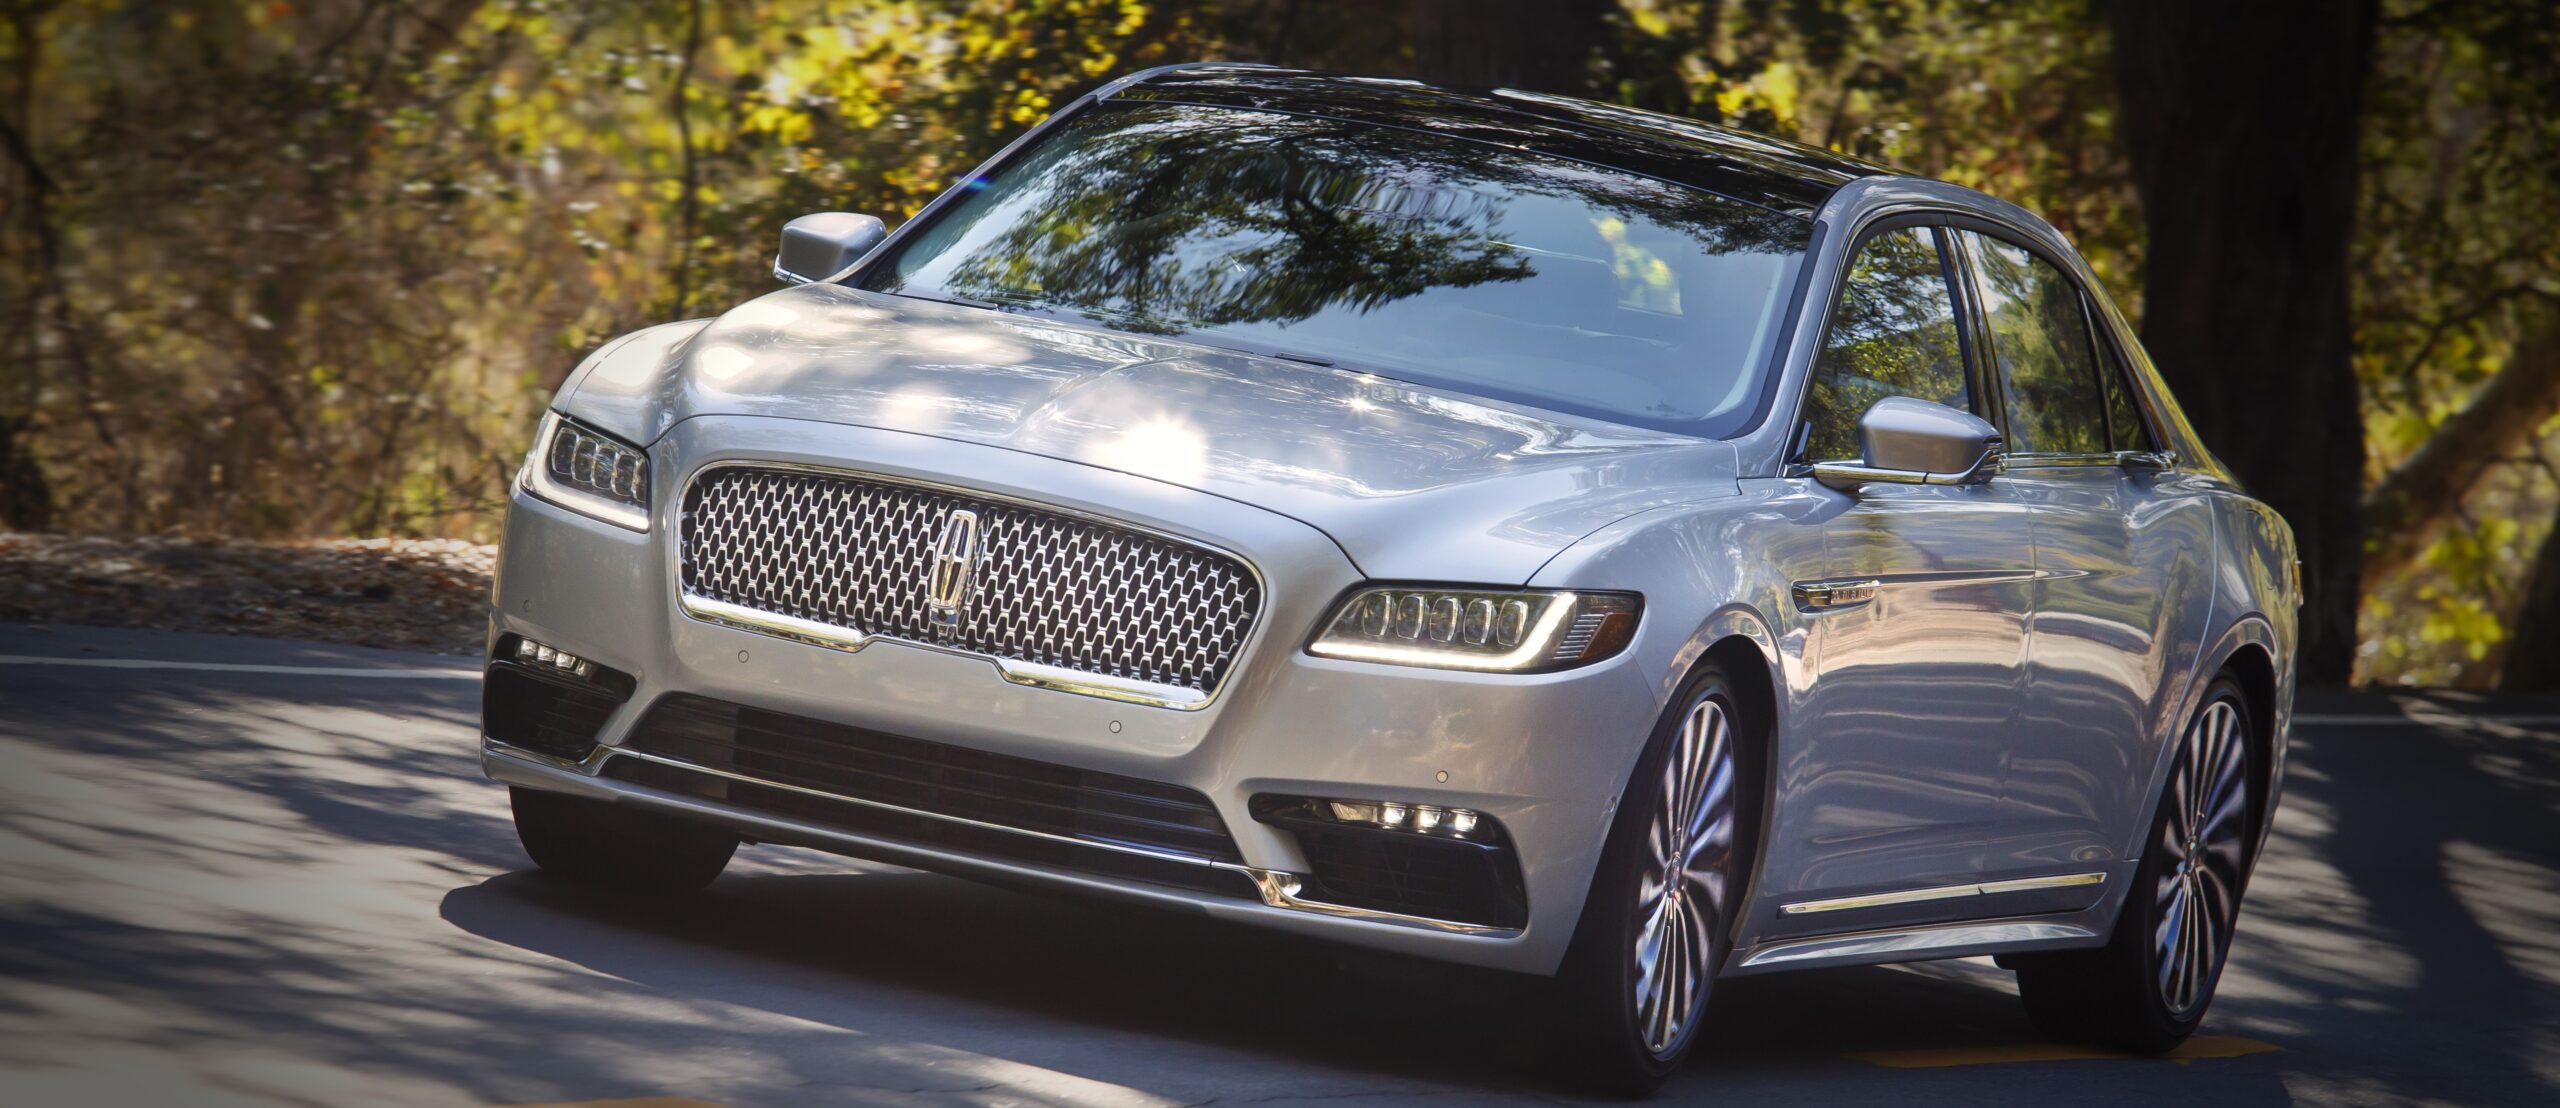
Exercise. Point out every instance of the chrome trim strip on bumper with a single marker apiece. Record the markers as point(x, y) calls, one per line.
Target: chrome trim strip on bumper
point(1943, 892)
point(1033, 674)
point(1916, 942)
point(964, 821)
point(1278, 889)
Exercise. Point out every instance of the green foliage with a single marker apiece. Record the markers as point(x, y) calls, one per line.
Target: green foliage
point(311, 267)
point(2456, 257)
point(316, 265)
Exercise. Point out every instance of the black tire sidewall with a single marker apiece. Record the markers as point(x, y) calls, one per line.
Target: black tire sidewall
point(612, 847)
point(2136, 924)
point(1599, 975)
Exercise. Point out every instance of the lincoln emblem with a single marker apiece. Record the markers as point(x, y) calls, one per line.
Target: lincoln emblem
point(955, 556)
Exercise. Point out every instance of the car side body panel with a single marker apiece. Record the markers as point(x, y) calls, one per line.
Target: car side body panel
point(2124, 601)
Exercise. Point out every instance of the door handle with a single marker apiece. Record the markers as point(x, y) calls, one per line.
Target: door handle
point(1835, 595)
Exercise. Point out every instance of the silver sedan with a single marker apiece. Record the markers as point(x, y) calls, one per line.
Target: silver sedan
point(1490, 527)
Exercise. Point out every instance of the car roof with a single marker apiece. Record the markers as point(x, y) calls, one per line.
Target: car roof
point(1773, 173)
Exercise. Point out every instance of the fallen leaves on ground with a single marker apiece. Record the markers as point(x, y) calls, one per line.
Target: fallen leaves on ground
point(409, 594)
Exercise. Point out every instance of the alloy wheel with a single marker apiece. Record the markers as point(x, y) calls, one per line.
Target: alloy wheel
point(2203, 841)
point(1681, 899)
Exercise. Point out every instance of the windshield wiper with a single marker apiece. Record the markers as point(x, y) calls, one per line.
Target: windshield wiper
point(949, 298)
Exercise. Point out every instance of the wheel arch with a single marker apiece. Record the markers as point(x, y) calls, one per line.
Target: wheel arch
point(1737, 640)
point(2252, 665)
point(1754, 675)
point(2247, 650)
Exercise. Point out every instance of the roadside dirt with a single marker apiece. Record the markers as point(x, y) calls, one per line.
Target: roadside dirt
point(408, 594)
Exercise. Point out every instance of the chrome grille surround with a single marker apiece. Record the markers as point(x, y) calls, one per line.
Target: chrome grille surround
point(1056, 598)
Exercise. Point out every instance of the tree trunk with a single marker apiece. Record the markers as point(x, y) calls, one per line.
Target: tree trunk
point(2408, 508)
point(2242, 122)
point(2533, 655)
point(1537, 45)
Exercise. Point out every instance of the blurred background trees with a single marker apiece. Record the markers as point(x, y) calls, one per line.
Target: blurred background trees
point(311, 267)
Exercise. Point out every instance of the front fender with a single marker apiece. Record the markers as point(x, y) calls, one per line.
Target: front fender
point(624, 387)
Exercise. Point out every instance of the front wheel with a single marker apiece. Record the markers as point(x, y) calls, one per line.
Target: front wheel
point(611, 846)
point(1659, 923)
point(2148, 988)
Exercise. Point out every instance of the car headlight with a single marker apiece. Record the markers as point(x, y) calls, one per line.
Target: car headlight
point(1504, 631)
point(589, 472)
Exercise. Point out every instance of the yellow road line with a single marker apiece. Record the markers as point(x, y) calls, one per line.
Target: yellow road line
point(2201, 1046)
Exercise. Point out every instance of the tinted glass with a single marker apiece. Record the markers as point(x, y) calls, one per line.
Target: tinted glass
point(2124, 421)
point(2040, 341)
point(1435, 260)
point(1894, 334)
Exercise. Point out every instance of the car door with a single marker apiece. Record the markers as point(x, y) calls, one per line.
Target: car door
point(1916, 636)
point(2119, 543)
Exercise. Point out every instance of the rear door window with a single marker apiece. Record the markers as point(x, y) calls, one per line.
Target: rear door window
point(2124, 421)
point(1894, 334)
point(2040, 342)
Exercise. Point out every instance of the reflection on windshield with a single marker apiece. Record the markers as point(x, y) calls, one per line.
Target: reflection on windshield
point(1490, 271)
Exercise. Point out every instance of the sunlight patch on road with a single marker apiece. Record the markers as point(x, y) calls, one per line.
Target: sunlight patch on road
point(631, 1102)
point(2199, 1047)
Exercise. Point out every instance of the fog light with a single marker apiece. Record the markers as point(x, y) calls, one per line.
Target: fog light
point(1426, 819)
point(534, 653)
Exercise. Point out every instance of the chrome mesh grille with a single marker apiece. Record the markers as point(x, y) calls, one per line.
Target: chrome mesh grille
point(1050, 588)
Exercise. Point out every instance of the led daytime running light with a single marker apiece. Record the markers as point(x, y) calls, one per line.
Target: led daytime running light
point(589, 472)
point(1492, 631)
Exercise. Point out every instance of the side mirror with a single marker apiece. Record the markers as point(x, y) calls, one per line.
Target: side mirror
point(1914, 442)
point(816, 247)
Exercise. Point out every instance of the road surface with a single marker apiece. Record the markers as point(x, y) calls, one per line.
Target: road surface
point(240, 871)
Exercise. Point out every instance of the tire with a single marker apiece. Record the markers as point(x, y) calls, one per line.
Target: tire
point(1647, 950)
point(2148, 988)
point(608, 846)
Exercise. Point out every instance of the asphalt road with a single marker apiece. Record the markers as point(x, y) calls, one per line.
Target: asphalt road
point(237, 871)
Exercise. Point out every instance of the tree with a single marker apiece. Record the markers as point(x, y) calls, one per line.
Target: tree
point(2242, 121)
point(2533, 657)
point(1538, 45)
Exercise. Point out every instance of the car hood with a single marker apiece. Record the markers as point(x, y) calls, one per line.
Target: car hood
point(1413, 482)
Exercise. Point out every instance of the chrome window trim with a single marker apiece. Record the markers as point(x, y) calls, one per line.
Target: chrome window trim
point(1278, 889)
point(1943, 892)
point(2129, 459)
point(1034, 674)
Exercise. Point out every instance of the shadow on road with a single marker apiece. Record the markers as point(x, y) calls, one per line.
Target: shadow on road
point(885, 952)
point(2412, 895)
point(281, 889)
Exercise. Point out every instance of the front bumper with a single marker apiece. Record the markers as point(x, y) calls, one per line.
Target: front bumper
point(1543, 755)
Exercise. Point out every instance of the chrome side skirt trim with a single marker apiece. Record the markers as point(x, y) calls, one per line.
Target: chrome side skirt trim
point(1277, 888)
point(1943, 892)
point(1913, 944)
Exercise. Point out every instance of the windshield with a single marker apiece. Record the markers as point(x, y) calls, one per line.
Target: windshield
point(1439, 261)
